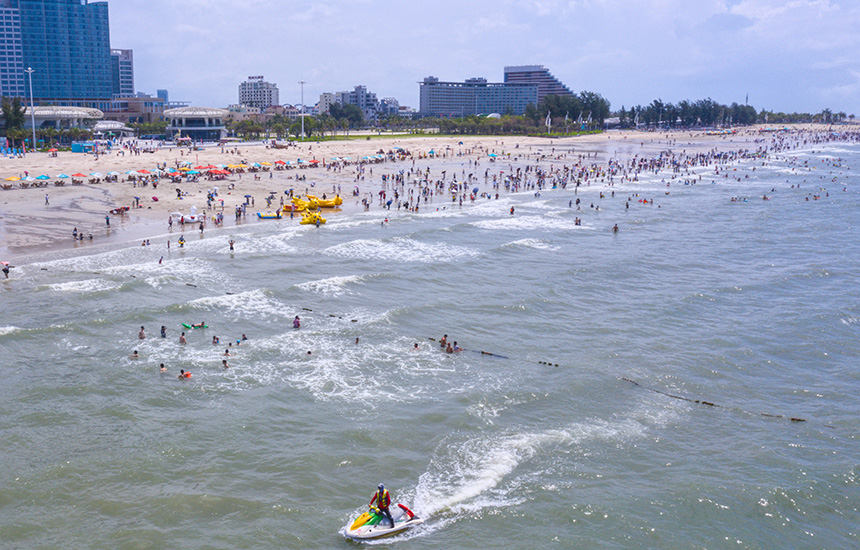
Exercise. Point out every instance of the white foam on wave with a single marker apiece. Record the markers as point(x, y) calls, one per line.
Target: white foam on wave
point(467, 476)
point(86, 286)
point(182, 270)
point(524, 223)
point(400, 249)
point(333, 286)
point(537, 244)
point(8, 330)
point(250, 304)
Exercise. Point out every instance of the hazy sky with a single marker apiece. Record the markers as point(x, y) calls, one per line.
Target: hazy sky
point(788, 55)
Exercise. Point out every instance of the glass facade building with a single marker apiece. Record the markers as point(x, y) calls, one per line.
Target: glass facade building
point(122, 72)
point(475, 96)
point(66, 42)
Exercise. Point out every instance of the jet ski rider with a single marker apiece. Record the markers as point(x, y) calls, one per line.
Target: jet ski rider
point(383, 501)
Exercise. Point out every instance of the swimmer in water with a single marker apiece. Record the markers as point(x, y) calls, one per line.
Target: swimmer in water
point(449, 349)
point(134, 355)
point(227, 353)
point(163, 331)
point(444, 340)
point(224, 362)
point(201, 325)
point(162, 369)
point(297, 322)
point(182, 338)
point(183, 375)
point(141, 335)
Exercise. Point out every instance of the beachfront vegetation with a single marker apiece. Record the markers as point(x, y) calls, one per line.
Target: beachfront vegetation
point(707, 112)
point(13, 115)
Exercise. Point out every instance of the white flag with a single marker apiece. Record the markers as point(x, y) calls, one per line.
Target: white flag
point(589, 118)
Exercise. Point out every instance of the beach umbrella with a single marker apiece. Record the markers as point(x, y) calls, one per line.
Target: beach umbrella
point(131, 173)
point(257, 165)
point(247, 196)
point(493, 155)
point(29, 178)
point(113, 173)
point(43, 177)
point(335, 159)
point(266, 163)
point(64, 176)
point(192, 172)
point(186, 162)
point(280, 162)
point(52, 150)
point(346, 158)
point(475, 190)
point(315, 161)
point(144, 172)
point(365, 158)
point(97, 175)
point(13, 178)
point(78, 175)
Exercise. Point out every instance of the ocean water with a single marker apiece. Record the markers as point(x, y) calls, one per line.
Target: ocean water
point(753, 306)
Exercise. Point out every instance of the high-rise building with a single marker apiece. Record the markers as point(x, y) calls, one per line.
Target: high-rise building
point(475, 96)
point(364, 100)
point(122, 72)
point(326, 101)
point(66, 42)
point(11, 52)
point(256, 92)
point(536, 74)
point(163, 94)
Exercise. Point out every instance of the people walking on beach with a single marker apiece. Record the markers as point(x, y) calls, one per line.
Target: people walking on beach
point(107, 221)
point(46, 199)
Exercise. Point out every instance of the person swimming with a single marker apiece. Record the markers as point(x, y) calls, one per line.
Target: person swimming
point(134, 355)
point(162, 368)
point(183, 375)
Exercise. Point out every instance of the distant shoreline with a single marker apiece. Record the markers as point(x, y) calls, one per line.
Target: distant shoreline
point(29, 226)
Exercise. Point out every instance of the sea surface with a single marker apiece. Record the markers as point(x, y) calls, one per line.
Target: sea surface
point(543, 442)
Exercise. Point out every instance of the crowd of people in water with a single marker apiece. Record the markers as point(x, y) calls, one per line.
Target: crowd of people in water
point(216, 341)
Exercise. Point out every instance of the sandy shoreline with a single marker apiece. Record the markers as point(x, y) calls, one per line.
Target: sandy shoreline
point(28, 225)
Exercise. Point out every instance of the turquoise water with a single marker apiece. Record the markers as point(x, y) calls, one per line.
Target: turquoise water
point(754, 306)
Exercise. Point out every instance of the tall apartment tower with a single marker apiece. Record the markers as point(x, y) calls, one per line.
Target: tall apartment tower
point(256, 92)
point(537, 74)
point(122, 72)
point(66, 42)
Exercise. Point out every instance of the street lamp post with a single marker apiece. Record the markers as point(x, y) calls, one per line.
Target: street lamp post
point(30, 72)
point(302, 82)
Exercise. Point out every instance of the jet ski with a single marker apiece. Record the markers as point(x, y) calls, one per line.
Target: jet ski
point(374, 525)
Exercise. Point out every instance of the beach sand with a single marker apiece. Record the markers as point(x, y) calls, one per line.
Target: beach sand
point(28, 225)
